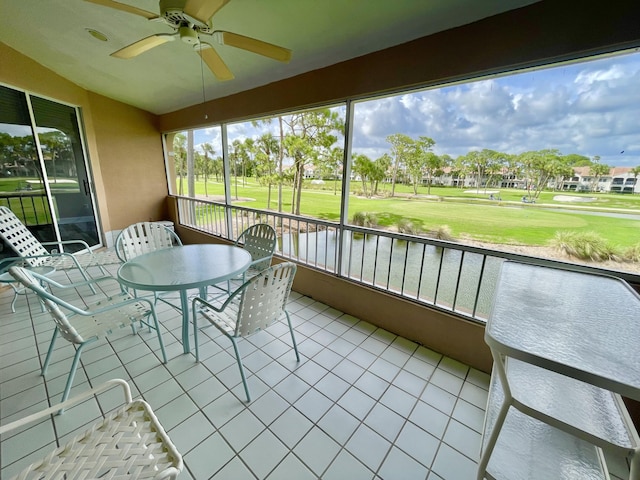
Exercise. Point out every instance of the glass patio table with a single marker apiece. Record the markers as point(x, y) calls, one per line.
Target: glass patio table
point(184, 268)
point(565, 349)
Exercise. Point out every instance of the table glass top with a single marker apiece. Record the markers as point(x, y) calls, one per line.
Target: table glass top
point(589, 323)
point(189, 266)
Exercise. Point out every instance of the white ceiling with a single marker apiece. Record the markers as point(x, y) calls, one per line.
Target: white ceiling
point(170, 76)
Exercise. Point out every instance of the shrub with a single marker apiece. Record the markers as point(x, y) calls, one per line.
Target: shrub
point(443, 232)
point(584, 246)
point(365, 219)
point(407, 226)
point(632, 253)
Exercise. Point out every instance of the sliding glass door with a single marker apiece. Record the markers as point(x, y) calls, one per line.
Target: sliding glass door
point(43, 172)
point(65, 170)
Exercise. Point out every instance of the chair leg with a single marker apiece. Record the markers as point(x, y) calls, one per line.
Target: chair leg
point(49, 352)
point(195, 332)
point(244, 378)
point(15, 297)
point(293, 339)
point(157, 327)
point(72, 372)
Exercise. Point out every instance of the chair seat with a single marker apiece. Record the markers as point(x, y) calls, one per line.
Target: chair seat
point(99, 324)
point(94, 259)
point(58, 261)
point(225, 320)
point(128, 443)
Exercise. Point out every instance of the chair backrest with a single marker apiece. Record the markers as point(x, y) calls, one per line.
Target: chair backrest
point(264, 298)
point(260, 241)
point(19, 238)
point(144, 237)
point(51, 302)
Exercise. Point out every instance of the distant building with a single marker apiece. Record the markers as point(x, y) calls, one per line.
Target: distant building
point(618, 180)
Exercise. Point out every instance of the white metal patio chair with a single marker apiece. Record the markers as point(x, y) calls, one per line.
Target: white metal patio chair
point(84, 326)
point(34, 254)
point(260, 241)
point(258, 303)
point(144, 237)
point(129, 443)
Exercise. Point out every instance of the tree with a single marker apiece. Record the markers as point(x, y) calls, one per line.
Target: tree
point(635, 171)
point(236, 147)
point(180, 158)
point(562, 170)
point(418, 160)
point(208, 166)
point(575, 160)
point(539, 167)
point(401, 148)
point(242, 157)
point(333, 164)
point(597, 170)
point(363, 167)
point(57, 153)
point(433, 164)
point(280, 174)
point(311, 136)
point(484, 164)
point(379, 172)
point(460, 170)
point(266, 158)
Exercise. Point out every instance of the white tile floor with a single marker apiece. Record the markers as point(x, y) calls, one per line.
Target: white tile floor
point(363, 403)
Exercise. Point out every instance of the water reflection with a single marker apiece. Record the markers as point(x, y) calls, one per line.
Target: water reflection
point(452, 279)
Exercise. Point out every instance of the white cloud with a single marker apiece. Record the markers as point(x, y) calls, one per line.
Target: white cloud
point(589, 108)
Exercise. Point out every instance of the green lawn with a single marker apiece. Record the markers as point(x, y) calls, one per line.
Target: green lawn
point(468, 213)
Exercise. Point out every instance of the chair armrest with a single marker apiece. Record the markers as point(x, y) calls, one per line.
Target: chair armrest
point(50, 281)
point(68, 403)
point(70, 242)
point(259, 260)
point(5, 263)
point(206, 304)
point(229, 299)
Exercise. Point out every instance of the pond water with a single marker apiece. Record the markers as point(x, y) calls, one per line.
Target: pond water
point(448, 278)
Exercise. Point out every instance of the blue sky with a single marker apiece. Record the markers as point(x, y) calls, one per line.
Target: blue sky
point(589, 108)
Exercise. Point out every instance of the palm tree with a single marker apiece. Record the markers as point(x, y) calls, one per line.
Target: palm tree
point(208, 150)
point(636, 172)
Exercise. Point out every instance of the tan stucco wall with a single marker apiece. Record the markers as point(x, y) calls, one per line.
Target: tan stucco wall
point(123, 143)
point(132, 166)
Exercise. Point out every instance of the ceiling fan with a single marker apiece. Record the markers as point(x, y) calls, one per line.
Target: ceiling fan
point(191, 21)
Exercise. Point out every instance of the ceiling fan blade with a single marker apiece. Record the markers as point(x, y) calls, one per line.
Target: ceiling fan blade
point(214, 62)
point(125, 8)
point(203, 10)
point(254, 45)
point(143, 45)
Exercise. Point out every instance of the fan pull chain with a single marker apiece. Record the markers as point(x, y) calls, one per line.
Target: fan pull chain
point(206, 117)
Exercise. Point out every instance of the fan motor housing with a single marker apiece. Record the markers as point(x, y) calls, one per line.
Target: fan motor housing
point(172, 12)
point(189, 35)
